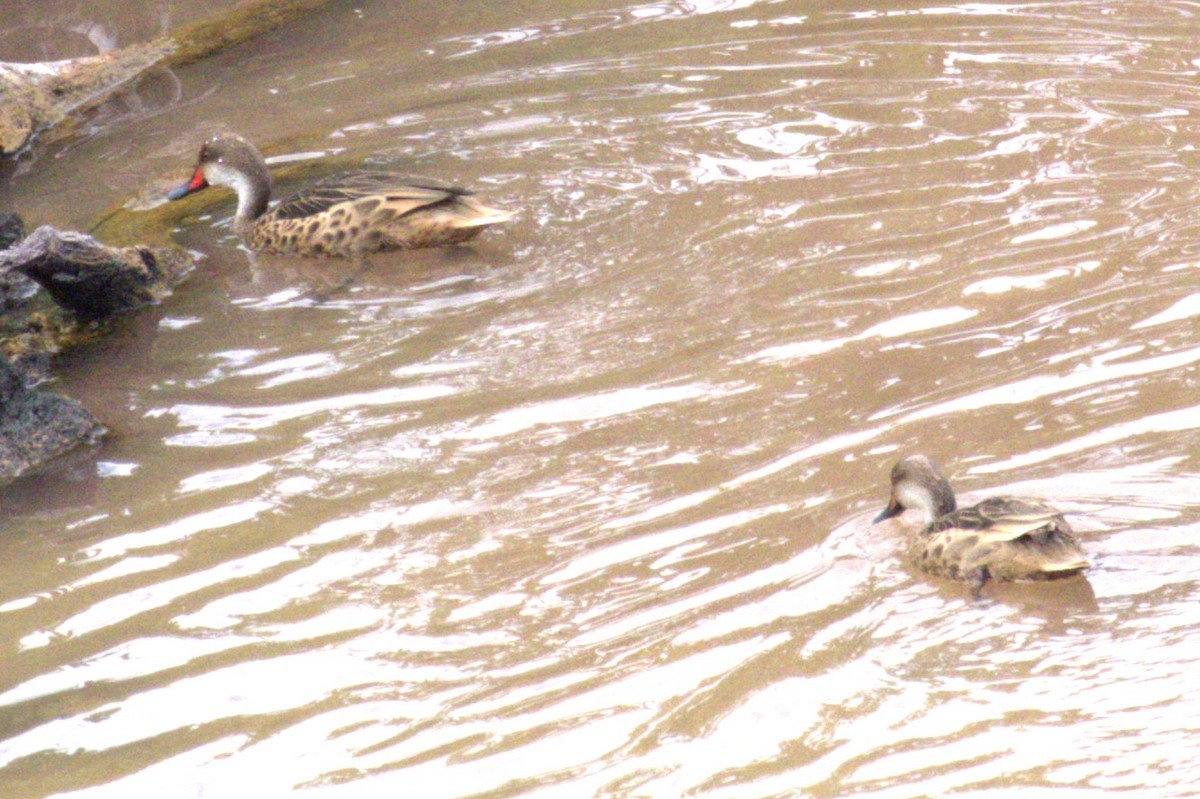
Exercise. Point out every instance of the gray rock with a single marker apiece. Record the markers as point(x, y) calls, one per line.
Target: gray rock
point(91, 279)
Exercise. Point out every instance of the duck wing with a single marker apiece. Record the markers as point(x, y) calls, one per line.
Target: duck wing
point(1004, 518)
point(398, 190)
point(1028, 534)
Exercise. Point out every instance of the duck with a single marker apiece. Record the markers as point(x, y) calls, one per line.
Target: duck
point(1002, 538)
point(350, 214)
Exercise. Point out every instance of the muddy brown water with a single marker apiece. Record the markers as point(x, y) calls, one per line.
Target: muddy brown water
point(583, 510)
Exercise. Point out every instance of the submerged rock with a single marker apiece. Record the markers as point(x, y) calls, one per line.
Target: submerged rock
point(37, 426)
point(94, 280)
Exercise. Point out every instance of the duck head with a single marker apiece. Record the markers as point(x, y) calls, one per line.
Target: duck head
point(918, 483)
point(231, 161)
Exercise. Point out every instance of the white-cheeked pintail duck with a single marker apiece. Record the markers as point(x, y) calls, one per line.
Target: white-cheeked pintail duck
point(1001, 538)
point(349, 214)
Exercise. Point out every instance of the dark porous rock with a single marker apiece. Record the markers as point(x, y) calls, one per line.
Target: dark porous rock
point(94, 280)
point(36, 426)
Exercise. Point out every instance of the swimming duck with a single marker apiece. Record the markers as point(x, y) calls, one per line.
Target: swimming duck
point(1001, 538)
point(350, 214)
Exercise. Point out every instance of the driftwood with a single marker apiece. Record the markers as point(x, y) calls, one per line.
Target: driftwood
point(36, 426)
point(91, 279)
point(34, 97)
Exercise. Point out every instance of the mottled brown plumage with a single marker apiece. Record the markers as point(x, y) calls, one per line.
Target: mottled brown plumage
point(1001, 538)
point(350, 214)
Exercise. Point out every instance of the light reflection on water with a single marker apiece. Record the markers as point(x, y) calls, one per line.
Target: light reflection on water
point(582, 510)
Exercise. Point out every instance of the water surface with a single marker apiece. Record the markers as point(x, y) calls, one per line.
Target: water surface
point(583, 509)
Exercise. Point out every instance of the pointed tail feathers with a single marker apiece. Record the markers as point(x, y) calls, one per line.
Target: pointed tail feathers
point(1057, 553)
point(1065, 567)
point(476, 214)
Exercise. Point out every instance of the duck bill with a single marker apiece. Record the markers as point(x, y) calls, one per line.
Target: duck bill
point(893, 509)
point(191, 187)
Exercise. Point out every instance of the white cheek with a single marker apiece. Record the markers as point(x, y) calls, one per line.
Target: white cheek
point(218, 174)
point(912, 496)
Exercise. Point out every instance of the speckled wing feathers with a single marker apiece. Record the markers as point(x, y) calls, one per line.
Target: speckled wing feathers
point(364, 212)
